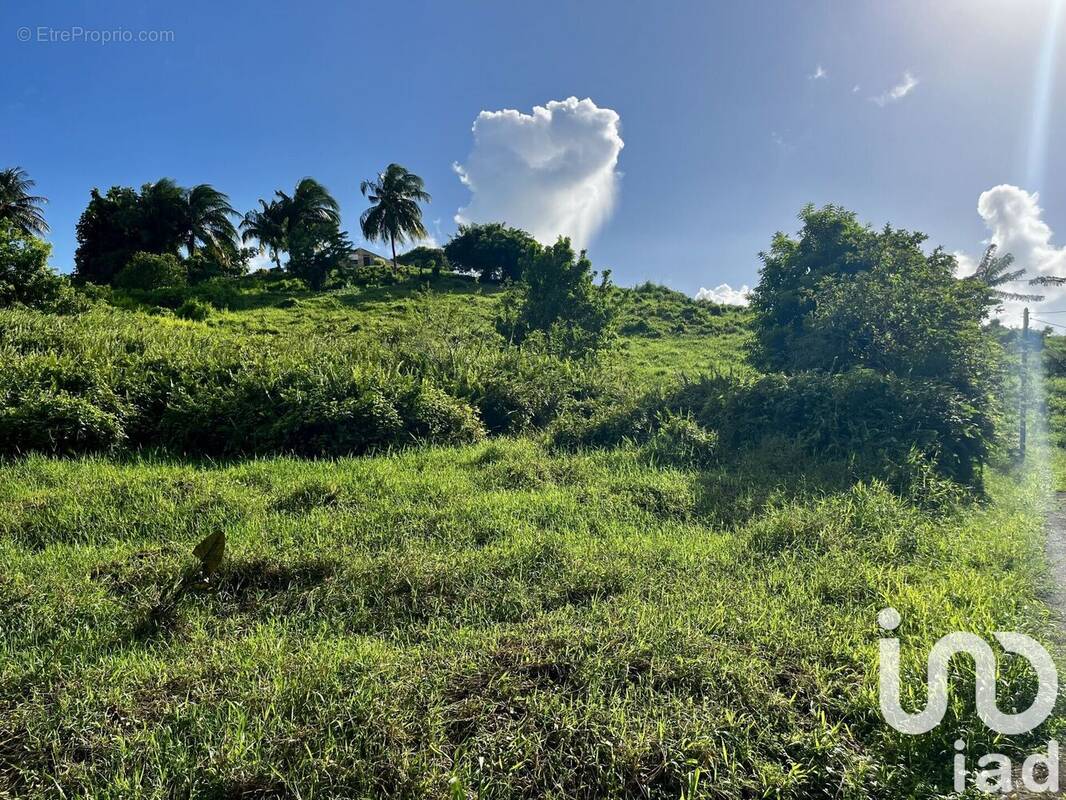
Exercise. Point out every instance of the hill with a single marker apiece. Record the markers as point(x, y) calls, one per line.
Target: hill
point(483, 604)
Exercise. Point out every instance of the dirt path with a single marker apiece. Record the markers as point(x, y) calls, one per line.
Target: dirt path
point(1056, 555)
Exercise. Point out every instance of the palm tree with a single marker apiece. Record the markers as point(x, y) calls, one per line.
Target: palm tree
point(309, 206)
point(207, 220)
point(994, 271)
point(18, 205)
point(311, 203)
point(395, 213)
point(267, 226)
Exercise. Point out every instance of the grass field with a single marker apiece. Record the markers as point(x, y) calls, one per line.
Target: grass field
point(495, 619)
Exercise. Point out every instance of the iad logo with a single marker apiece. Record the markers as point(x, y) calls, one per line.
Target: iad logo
point(988, 780)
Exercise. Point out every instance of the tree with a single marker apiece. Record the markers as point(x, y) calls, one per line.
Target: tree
point(313, 237)
point(316, 249)
point(306, 225)
point(161, 219)
point(844, 302)
point(267, 225)
point(395, 213)
point(25, 276)
point(493, 250)
point(18, 206)
point(108, 234)
point(558, 298)
point(424, 258)
point(207, 221)
point(995, 271)
point(843, 295)
point(310, 204)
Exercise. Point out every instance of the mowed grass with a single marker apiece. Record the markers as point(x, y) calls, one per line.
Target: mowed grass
point(487, 621)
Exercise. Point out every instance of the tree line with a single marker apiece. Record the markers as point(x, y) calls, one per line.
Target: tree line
point(166, 235)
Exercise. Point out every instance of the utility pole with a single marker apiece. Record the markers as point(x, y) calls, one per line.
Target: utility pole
point(1023, 387)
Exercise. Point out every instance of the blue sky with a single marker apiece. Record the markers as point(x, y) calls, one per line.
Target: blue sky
point(728, 124)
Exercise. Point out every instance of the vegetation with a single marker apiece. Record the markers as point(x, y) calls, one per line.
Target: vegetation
point(493, 251)
point(395, 214)
point(18, 206)
point(25, 277)
point(151, 271)
point(559, 300)
point(995, 272)
point(844, 297)
point(427, 536)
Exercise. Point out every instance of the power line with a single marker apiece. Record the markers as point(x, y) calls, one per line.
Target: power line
point(1053, 324)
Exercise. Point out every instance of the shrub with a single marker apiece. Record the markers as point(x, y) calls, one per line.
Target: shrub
point(559, 300)
point(148, 271)
point(58, 422)
point(682, 441)
point(435, 416)
point(209, 263)
point(193, 309)
point(424, 258)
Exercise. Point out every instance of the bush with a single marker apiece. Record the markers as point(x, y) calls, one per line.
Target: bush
point(881, 425)
point(559, 301)
point(208, 264)
point(216, 391)
point(194, 310)
point(681, 441)
point(423, 258)
point(148, 271)
point(58, 422)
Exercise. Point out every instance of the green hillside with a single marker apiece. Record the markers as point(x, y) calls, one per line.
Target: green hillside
point(543, 578)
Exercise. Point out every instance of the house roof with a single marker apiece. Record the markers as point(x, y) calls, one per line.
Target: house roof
point(362, 251)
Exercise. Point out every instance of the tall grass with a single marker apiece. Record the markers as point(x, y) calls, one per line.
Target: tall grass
point(493, 617)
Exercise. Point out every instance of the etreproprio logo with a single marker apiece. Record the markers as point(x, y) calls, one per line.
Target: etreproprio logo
point(990, 779)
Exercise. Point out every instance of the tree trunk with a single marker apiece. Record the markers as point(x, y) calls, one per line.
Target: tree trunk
point(395, 269)
point(191, 245)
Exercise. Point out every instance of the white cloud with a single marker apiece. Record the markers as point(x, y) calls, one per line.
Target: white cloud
point(552, 172)
point(261, 261)
point(818, 74)
point(724, 294)
point(897, 92)
point(1015, 222)
point(966, 266)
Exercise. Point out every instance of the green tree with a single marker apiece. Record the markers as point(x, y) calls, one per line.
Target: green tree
point(152, 271)
point(267, 225)
point(424, 258)
point(162, 218)
point(847, 300)
point(315, 243)
point(25, 276)
point(316, 249)
point(493, 250)
point(18, 206)
point(844, 295)
point(559, 298)
point(207, 221)
point(395, 213)
point(108, 234)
